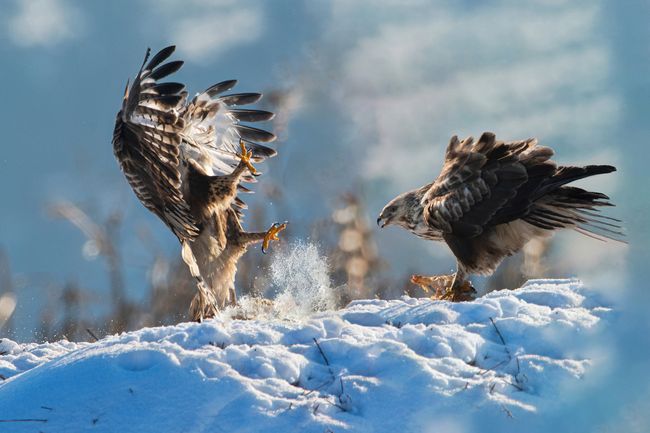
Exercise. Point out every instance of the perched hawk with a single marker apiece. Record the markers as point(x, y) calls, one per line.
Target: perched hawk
point(185, 161)
point(490, 199)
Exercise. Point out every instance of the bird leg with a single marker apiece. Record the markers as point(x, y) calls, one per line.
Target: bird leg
point(266, 237)
point(245, 159)
point(460, 289)
point(204, 304)
point(272, 235)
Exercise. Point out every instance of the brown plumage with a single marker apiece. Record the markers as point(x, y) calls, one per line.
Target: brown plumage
point(491, 198)
point(185, 162)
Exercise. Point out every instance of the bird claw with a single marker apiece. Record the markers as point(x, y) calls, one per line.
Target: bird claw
point(460, 292)
point(272, 235)
point(246, 156)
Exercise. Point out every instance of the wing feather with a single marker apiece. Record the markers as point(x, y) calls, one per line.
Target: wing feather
point(240, 98)
point(492, 197)
point(160, 57)
point(166, 69)
point(477, 181)
point(214, 130)
point(219, 88)
point(158, 134)
point(146, 143)
point(247, 115)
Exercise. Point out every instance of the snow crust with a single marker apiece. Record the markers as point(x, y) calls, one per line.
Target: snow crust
point(407, 365)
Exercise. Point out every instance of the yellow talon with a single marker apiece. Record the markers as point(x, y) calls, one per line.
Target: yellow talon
point(272, 235)
point(246, 156)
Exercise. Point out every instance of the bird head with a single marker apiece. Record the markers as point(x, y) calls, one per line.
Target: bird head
point(399, 211)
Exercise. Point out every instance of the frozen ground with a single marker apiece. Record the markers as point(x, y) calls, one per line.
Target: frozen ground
point(504, 362)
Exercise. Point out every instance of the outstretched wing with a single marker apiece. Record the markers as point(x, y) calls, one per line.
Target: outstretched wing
point(213, 130)
point(147, 139)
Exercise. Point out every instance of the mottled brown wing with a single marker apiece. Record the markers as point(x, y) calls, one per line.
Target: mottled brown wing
point(214, 129)
point(479, 181)
point(490, 183)
point(492, 197)
point(147, 139)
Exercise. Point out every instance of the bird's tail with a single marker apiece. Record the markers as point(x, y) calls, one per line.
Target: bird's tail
point(189, 259)
point(204, 304)
point(576, 208)
point(568, 174)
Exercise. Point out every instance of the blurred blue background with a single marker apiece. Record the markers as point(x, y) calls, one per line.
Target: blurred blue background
point(372, 91)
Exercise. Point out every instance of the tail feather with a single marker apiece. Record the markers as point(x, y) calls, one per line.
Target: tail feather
point(568, 174)
point(576, 208)
point(594, 214)
point(189, 259)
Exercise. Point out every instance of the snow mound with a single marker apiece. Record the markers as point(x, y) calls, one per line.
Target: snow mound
point(407, 365)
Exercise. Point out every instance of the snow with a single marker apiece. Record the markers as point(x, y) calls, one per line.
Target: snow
point(499, 363)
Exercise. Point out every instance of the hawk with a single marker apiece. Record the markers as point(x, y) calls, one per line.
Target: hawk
point(490, 199)
point(187, 160)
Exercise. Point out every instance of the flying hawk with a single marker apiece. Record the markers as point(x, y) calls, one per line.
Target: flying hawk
point(186, 161)
point(490, 199)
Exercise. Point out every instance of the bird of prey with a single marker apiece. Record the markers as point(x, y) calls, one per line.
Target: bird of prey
point(490, 199)
point(186, 161)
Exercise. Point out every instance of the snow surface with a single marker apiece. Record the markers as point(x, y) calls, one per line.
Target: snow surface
point(499, 363)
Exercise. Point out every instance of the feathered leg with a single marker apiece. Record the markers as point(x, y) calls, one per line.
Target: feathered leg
point(219, 252)
point(461, 288)
point(211, 196)
point(239, 236)
point(237, 244)
point(204, 304)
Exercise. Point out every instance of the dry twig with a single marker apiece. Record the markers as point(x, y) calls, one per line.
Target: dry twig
point(92, 334)
point(24, 420)
point(322, 354)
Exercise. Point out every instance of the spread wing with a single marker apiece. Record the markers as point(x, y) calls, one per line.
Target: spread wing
point(213, 130)
point(157, 132)
point(147, 139)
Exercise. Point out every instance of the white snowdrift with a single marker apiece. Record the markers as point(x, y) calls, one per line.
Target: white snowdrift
point(408, 365)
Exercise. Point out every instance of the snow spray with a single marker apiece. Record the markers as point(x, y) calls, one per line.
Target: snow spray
point(300, 276)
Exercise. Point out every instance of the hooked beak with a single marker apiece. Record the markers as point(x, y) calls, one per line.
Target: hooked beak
point(381, 222)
